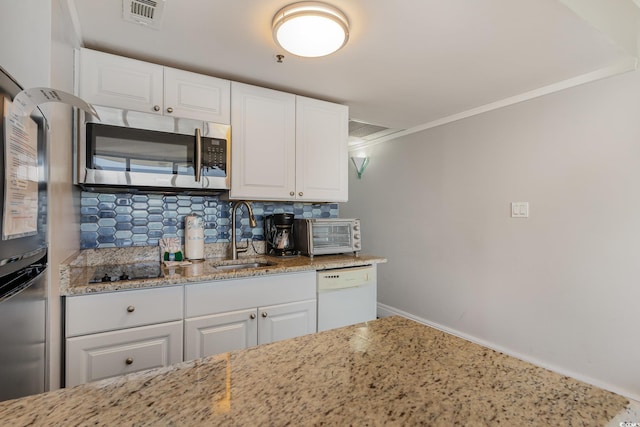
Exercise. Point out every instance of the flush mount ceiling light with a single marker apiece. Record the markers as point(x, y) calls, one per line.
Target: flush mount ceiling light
point(310, 29)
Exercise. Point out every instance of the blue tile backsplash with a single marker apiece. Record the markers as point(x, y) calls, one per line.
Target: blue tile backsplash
point(121, 219)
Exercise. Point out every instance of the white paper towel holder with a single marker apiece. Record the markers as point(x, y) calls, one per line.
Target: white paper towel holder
point(194, 238)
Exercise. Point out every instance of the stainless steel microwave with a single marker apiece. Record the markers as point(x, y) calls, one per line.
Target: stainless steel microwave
point(131, 149)
point(322, 236)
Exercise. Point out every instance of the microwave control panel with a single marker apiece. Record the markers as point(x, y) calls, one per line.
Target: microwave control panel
point(214, 155)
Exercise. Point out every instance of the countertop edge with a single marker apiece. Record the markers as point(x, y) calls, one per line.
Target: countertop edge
point(70, 272)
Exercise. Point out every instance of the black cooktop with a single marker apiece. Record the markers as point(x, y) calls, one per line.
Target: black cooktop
point(115, 273)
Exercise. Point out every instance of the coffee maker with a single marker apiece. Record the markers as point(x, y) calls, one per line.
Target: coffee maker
point(278, 233)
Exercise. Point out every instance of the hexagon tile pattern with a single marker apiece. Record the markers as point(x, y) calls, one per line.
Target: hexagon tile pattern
point(109, 220)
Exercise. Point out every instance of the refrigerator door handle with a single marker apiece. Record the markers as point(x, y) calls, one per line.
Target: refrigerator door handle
point(23, 280)
point(21, 256)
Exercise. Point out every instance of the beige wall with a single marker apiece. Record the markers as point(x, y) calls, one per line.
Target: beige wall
point(25, 40)
point(36, 47)
point(559, 288)
point(64, 198)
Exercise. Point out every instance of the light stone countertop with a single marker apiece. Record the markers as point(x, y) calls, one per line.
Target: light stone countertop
point(76, 272)
point(387, 372)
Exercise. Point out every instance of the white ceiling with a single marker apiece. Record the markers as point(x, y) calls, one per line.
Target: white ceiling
point(407, 62)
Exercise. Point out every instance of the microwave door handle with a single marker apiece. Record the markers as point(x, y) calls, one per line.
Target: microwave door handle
point(198, 156)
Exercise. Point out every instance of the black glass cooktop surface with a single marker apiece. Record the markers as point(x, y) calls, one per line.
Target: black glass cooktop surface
point(115, 273)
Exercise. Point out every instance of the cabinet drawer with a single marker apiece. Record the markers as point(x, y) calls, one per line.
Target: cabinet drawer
point(206, 298)
point(105, 355)
point(87, 314)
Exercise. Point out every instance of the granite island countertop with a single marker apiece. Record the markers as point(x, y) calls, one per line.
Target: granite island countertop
point(76, 272)
point(391, 371)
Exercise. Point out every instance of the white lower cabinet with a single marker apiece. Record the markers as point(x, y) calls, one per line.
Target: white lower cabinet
point(223, 332)
point(283, 321)
point(235, 314)
point(109, 311)
point(114, 333)
point(98, 356)
point(219, 333)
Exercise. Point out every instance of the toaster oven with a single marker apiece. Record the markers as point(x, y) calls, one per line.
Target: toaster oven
point(323, 236)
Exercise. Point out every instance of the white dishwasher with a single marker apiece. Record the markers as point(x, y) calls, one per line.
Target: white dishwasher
point(346, 296)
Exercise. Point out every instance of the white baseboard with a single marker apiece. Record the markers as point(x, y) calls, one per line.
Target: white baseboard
point(386, 311)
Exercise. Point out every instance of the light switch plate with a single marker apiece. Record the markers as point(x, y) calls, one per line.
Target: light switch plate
point(519, 209)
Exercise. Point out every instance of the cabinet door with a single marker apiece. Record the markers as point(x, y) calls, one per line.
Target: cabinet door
point(283, 321)
point(321, 150)
point(98, 356)
point(114, 81)
point(196, 96)
point(220, 333)
point(263, 143)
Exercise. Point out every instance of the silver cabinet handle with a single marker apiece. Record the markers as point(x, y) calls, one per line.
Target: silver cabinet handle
point(252, 316)
point(264, 314)
point(129, 361)
point(300, 194)
point(198, 156)
point(131, 309)
point(291, 193)
point(156, 108)
point(169, 110)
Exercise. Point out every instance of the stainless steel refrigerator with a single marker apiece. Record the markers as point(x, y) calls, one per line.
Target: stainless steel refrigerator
point(23, 261)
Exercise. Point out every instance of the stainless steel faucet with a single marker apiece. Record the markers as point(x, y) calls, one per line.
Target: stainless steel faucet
point(252, 223)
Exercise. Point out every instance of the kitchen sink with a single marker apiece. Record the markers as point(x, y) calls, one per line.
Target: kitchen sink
point(242, 266)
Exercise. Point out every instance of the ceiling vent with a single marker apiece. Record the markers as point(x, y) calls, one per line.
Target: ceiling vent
point(360, 132)
point(143, 12)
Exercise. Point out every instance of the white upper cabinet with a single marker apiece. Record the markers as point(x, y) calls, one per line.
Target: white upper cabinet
point(196, 96)
point(322, 131)
point(115, 81)
point(284, 147)
point(262, 143)
point(287, 147)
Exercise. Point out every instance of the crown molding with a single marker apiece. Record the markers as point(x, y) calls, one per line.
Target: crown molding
point(626, 65)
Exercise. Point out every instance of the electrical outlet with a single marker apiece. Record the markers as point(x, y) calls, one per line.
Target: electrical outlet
point(519, 209)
